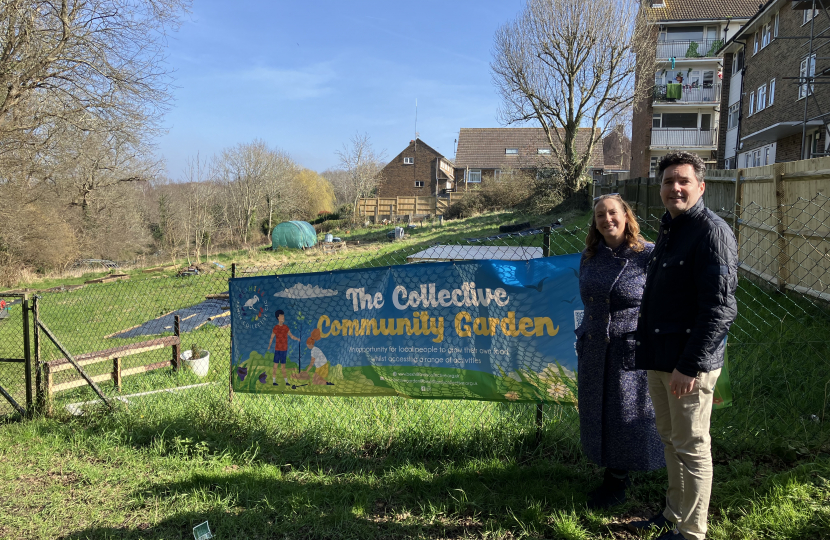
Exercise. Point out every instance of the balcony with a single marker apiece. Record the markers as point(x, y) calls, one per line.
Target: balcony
point(687, 93)
point(683, 137)
point(689, 48)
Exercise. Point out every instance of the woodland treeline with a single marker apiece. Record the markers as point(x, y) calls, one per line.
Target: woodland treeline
point(83, 92)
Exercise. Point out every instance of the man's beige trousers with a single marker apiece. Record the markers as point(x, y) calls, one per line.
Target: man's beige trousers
point(683, 425)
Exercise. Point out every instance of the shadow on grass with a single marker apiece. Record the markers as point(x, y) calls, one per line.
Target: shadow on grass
point(413, 501)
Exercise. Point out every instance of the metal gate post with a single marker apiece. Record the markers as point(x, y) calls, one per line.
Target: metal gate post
point(27, 353)
point(39, 386)
point(230, 357)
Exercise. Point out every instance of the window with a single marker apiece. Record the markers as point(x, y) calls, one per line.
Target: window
point(762, 97)
point(659, 78)
point(543, 150)
point(474, 176)
point(807, 69)
point(409, 161)
point(679, 120)
point(511, 150)
point(732, 119)
point(652, 170)
point(766, 34)
point(751, 103)
point(737, 62)
point(693, 79)
point(419, 183)
point(809, 14)
point(655, 120)
point(708, 79)
point(755, 47)
point(772, 91)
point(775, 26)
point(766, 155)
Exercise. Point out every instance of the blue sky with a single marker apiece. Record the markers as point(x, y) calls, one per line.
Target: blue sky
point(305, 76)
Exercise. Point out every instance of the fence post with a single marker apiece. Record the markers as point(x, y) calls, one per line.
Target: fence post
point(27, 353)
point(177, 348)
point(736, 207)
point(116, 372)
point(540, 406)
point(781, 243)
point(39, 389)
point(230, 358)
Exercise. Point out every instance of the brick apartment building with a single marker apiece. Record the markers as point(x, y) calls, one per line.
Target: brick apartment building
point(484, 155)
point(763, 108)
point(683, 110)
point(418, 170)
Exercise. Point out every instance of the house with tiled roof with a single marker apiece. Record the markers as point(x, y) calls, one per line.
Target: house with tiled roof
point(419, 170)
point(484, 155)
point(683, 111)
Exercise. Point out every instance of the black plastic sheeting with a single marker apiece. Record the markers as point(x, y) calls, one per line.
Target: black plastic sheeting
point(191, 317)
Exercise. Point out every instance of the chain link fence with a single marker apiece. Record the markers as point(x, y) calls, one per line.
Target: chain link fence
point(128, 333)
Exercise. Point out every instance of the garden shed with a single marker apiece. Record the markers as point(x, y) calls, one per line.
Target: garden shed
point(293, 234)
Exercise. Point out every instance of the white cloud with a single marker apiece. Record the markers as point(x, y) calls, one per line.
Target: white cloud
point(300, 291)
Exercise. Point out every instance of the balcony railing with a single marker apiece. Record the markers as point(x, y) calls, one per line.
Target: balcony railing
point(687, 93)
point(689, 48)
point(680, 137)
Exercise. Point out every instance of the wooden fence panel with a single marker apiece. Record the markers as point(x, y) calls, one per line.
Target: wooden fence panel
point(388, 207)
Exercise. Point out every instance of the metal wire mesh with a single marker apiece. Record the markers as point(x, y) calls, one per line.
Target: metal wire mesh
point(12, 368)
point(778, 347)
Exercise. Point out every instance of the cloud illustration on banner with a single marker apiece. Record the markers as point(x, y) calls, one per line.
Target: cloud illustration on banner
point(299, 291)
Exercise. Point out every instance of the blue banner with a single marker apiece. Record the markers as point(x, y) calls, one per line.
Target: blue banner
point(486, 330)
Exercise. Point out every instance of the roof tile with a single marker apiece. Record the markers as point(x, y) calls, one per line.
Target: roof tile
point(695, 10)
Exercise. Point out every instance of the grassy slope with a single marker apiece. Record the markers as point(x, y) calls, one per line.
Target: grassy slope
point(322, 468)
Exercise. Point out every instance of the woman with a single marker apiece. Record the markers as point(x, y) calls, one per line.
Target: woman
point(616, 417)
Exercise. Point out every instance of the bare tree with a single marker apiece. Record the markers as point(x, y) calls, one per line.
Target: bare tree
point(339, 180)
point(242, 171)
point(281, 199)
point(95, 64)
point(201, 192)
point(566, 64)
point(363, 167)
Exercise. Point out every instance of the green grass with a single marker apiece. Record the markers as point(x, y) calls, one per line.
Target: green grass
point(151, 472)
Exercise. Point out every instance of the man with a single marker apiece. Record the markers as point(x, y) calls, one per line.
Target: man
point(279, 336)
point(687, 308)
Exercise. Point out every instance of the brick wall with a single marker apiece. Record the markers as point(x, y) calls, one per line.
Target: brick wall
point(641, 132)
point(399, 179)
point(782, 58)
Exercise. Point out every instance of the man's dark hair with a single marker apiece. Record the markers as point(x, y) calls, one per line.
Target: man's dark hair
point(682, 158)
point(278, 313)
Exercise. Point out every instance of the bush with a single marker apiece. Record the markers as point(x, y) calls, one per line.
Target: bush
point(329, 225)
point(510, 192)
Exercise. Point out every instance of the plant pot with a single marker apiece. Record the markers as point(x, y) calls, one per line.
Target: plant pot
point(199, 366)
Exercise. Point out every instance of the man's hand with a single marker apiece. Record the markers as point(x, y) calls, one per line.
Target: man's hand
point(681, 384)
